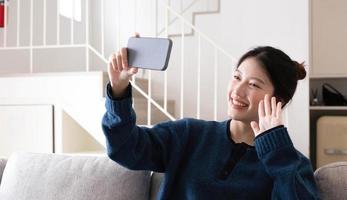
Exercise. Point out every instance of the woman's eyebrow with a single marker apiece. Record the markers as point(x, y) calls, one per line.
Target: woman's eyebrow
point(256, 78)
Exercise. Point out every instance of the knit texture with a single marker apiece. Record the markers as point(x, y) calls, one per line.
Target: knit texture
point(201, 161)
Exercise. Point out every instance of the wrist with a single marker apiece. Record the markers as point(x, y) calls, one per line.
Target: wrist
point(119, 89)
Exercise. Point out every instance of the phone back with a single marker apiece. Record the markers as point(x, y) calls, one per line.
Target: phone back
point(149, 53)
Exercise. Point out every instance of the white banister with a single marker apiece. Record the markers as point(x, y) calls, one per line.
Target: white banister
point(31, 36)
point(133, 78)
point(153, 102)
point(72, 21)
point(149, 114)
point(98, 54)
point(183, 11)
point(87, 34)
point(204, 36)
point(182, 72)
point(102, 28)
point(44, 29)
point(167, 17)
point(135, 15)
point(58, 22)
point(118, 25)
point(43, 47)
point(18, 22)
point(215, 84)
point(199, 78)
point(170, 16)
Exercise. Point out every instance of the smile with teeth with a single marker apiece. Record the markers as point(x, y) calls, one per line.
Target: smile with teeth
point(238, 103)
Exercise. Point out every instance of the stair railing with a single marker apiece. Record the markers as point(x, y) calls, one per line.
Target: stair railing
point(101, 54)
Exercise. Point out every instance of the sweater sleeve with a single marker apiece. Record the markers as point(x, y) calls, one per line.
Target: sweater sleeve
point(135, 147)
point(291, 171)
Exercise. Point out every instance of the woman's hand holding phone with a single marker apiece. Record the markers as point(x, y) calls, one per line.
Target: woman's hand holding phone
point(120, 72)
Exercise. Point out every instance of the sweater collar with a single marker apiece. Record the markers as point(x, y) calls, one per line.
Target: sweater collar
point(227, 132)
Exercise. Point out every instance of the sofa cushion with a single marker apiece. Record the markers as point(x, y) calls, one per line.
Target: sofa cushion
point(331, 180)
point(30, 176)
point(156, 181)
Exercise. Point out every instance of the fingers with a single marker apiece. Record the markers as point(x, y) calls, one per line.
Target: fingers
point(273, 106)
point(119, 62)
point(112, 64)
point(279, 109)
point(261, 111)
point(133, 70)
point(267, 106)
point(124, 57)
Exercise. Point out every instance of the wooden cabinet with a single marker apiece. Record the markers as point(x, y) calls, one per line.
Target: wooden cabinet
point(26, 128)
point(328, 38)
point(320, 109)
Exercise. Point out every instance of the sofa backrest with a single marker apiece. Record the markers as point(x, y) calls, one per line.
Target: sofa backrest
point(2, 167)
point(33, 176)
point(331, 180)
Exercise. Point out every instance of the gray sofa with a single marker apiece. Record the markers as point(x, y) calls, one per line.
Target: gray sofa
point(32, 176)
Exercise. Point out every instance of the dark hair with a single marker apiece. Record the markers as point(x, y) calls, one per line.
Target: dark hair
point(283, 72)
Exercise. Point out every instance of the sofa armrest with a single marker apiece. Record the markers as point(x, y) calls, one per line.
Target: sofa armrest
point(2, 167)
point(331, 180)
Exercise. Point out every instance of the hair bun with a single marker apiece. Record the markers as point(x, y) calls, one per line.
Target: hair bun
point(300, 70)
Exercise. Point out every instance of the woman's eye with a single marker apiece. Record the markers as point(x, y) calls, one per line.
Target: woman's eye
point(254, 85)
point(236, 77)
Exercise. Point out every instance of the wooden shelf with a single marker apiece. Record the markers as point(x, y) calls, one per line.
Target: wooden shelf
point(328, 76)
point(328, 107)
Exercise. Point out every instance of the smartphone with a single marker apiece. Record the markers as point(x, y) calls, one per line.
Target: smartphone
point(149, 53)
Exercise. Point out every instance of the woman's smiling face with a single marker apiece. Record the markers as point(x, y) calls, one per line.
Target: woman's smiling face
point(247, 87)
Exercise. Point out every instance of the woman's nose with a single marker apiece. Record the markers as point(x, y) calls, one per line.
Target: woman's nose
point(239, 90)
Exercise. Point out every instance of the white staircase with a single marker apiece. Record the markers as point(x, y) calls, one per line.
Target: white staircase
point(190, 10)
point(78, 97)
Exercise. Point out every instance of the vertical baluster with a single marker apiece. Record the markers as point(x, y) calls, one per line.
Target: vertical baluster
point(118, 25)
point(165, 73)
point(31, 37)
point(102, 28)
point(215, 83)
point(87, 34)
point(199, 71)
point(149, 111)
point(135, 21)
point(72, 22)
point(18, 23)
point(58, 22)
point(44, 29)
point(182, 69)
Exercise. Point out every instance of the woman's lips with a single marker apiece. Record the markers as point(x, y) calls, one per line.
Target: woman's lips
point(238, 104)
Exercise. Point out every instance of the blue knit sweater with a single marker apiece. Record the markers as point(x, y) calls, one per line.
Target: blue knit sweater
point(201, 161)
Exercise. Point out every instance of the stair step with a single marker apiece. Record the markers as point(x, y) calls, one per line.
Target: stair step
point(157, 116)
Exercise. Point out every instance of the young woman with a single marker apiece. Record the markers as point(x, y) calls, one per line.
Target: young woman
point(249, 156)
